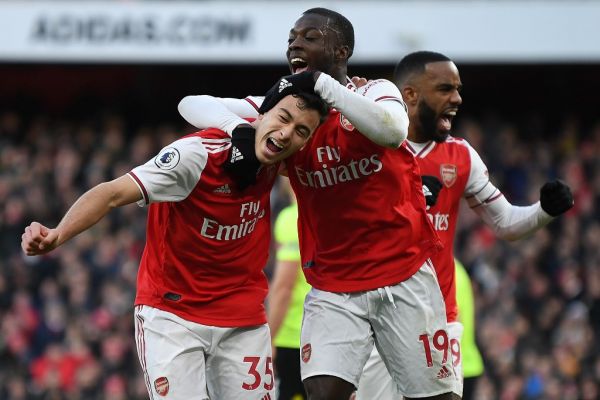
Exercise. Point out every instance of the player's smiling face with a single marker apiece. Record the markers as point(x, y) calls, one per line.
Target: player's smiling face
point(284, 129)
point(311, 45)
point(439, 99)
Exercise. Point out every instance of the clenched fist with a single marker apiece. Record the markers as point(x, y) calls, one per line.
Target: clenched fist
point(38, 239)
point(556, 197)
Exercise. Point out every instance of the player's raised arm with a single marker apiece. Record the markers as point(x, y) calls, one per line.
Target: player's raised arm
point(90, 208)
point(511, 222)
point(376, 110)
point(205, 111)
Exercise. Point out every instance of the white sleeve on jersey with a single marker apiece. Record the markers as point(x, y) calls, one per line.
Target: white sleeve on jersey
point(226, 114)
point(173, 173)
point(384, 122)
point(508, 221)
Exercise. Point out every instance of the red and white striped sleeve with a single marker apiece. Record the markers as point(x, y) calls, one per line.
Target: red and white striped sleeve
point(173, 173)
point(508, 221)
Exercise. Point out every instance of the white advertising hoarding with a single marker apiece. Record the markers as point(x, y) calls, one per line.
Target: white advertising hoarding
point(251, 32)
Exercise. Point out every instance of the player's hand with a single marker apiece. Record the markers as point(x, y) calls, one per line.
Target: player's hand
point(290, 84)
point(556, 197)
point(431, 189)
point(242, 164)
point(358, 81)
point(38, 239)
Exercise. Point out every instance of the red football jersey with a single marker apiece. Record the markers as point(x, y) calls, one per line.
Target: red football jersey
point(207, 243)
point(456, 164)
point(362, 222)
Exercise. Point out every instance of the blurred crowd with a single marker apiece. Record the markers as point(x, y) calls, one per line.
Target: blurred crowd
point(66, 319)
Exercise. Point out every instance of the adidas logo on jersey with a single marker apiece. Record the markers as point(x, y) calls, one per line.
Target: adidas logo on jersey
point(236, 154)
point(426, 191)
point(223, 189)
point(283, 84)
point(444, 373)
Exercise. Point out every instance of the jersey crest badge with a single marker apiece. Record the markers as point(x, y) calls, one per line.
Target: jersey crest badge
point(161, 385)
point(449, 173)
point(346, 124)
point(168, 158)
point(306, 352)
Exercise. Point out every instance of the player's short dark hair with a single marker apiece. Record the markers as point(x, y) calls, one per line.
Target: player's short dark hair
point(340, 24)
point(414, 63)
point(312, 101)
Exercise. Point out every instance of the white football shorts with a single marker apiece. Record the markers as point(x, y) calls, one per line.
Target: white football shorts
point(406, 322)
point(376, 382)
point(184, 360)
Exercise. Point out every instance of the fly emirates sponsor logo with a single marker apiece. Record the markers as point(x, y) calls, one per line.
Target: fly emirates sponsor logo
point(439, 221)
point(330, 175)
point(250, 213)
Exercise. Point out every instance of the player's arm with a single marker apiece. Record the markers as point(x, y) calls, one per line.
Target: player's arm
point(205, 111)
point(280, 293)
point(286, 268)
point(508, 221)
point(90, 208)
point(379, 113)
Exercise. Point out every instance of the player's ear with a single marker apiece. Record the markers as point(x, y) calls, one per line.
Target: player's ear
point(342, 52)
point(410, 95)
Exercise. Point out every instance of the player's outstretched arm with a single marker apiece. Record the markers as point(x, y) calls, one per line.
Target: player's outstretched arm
point(511, 222)
point(384, 122)
point(85, 212)
point(205, 111)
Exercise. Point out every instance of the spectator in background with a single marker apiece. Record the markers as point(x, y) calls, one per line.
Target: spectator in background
point(200, 322)
point(286, 300)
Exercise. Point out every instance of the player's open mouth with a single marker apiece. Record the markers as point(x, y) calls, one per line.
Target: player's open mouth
point(274, 146)
point(298, 65)
point(445, 120)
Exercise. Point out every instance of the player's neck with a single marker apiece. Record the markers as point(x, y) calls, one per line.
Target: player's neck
point(340, 74)
point(417, 137)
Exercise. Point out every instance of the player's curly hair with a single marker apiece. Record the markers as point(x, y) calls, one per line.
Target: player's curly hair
point(414, 63)
point(340, 24)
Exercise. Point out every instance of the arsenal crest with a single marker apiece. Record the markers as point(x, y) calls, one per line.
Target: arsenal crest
point(161, 385)
point(306, 352)
point(346, 124)
point(449, 173)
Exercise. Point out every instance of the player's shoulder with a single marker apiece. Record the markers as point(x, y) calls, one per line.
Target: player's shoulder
point(457, 141)
point(209, 133)
point(212, 140)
